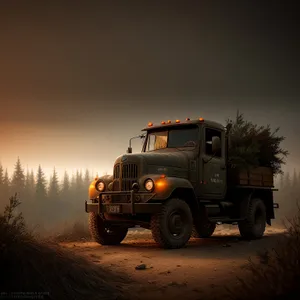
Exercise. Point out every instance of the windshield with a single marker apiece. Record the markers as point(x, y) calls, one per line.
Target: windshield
point(172, 138)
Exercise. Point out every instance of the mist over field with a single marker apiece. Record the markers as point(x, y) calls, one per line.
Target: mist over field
point(56, 202)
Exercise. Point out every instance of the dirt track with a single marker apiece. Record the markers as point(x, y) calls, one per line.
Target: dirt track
point(198, 271)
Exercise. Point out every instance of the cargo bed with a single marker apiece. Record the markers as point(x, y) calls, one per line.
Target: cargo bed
point(261, 176)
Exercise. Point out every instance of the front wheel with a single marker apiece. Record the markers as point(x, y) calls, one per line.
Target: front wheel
point(253, 227)
point(105, 234)
point(172, 226)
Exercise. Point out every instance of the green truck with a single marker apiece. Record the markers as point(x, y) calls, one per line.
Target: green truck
point(180, 186)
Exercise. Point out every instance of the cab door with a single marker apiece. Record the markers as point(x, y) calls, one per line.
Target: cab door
point(212, 165)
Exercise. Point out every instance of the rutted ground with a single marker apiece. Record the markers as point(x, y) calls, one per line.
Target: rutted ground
point(199, 270)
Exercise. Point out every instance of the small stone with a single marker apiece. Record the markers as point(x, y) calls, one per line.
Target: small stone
point(151, 281)
point(141, 267)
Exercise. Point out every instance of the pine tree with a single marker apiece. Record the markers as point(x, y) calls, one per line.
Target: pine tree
point(1, 176)
point(87, 178)
point(281, 182)
point(5, 192)
point(298, 186)
point(287, 181)
point(2, 188)
point(79, 181)
point(18, 178)
point(73, 182)
point(73, 188)
point(32, 184)
point(6, 181)
point(41, 183)
point(26, 186)
point(65, 189)
point(54, 186)
point(295, 180)
point(27, 178)
point(251, 145)
point(29, 185)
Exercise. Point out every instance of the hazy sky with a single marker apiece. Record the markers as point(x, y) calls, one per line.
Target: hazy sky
point(76, 81)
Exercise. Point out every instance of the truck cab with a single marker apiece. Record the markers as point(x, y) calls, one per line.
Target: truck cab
point(180, 185)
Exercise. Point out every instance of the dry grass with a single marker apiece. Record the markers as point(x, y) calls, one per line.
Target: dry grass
point(71, 232)
point(277, 273)
point(36, 266)
point(31, 265)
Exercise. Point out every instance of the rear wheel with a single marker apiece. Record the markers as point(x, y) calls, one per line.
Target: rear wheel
point(172, 226)
point(253, 227)
point(105, 234)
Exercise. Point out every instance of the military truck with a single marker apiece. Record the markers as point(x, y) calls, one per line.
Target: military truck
point(180, 185)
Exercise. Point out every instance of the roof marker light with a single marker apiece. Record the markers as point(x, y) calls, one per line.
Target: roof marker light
point(150, 124)
point(169, 122)
point(177, 121)
point(201, 119)
point(187, 119)
point(163, 122)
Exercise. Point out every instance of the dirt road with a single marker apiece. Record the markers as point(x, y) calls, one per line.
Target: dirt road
point(198, 271)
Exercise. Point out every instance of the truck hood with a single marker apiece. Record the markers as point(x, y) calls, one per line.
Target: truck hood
point(171, 158)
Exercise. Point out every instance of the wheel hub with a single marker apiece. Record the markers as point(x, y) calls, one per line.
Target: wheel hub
point(175, 224)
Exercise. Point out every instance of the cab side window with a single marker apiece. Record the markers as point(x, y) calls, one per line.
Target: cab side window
point(209, 134)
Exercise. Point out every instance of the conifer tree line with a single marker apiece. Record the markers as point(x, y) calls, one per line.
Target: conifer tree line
point(45, 199)
point(288, 194)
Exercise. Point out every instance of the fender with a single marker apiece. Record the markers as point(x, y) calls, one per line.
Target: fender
point(93, 193)
point(164, 187)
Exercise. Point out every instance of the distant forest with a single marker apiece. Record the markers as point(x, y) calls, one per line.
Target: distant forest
point(58, 200)
point(46, 201)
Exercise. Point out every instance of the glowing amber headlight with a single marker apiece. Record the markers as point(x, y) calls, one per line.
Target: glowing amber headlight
point(149, 185)
point(160, 184)
point(100, 186)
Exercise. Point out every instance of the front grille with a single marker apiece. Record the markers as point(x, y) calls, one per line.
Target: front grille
point(117, 171)
point(124, 176)
point(129, 171)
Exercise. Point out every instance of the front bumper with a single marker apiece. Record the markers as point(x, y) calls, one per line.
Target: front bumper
point(131, 207)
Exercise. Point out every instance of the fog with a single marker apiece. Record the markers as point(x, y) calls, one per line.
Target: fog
point(76, 82)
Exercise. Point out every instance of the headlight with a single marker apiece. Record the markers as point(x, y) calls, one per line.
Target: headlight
point(100, 186)
point(149, 185)
point(110, 186)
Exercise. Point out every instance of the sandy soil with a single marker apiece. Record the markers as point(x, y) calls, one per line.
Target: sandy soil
point(198, 271)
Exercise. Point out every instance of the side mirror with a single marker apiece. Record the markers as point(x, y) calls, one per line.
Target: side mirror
point(216, 144)
point(129, 150)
